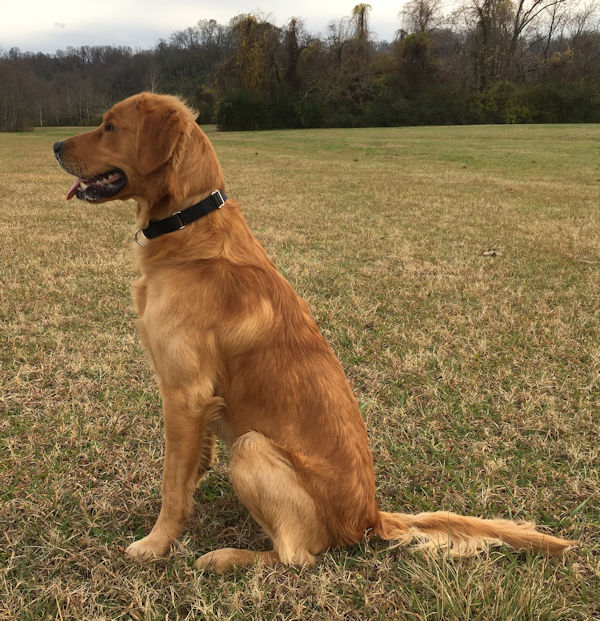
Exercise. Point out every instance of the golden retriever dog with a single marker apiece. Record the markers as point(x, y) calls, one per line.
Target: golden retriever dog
point(238, 356)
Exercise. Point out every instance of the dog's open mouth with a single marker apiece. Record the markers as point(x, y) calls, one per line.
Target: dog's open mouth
point(98, 187)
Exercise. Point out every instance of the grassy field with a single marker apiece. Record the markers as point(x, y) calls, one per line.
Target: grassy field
point(455, 272)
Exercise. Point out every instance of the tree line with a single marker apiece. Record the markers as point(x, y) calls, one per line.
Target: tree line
point(487, 61)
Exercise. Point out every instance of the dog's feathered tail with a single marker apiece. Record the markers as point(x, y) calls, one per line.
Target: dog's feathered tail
point(457, 535)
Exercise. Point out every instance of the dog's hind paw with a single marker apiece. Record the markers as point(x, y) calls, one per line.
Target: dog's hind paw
point(226, 559)
point(220, 560)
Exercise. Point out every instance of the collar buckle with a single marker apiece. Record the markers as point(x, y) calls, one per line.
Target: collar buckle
point(219, 197)
point(180, 223)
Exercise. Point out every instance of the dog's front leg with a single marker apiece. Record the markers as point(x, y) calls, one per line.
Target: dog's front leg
point(187, 431)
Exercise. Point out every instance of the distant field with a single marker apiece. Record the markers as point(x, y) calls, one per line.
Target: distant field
point(456, 273)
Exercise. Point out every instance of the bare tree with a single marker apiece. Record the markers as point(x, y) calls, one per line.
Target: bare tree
point(584, 30)
point(420, 15)
point(18, 86)
point(527, 13)
point(502, 33)
point(585, 19)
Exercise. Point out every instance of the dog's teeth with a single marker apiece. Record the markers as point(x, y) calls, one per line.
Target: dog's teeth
point(83, 186)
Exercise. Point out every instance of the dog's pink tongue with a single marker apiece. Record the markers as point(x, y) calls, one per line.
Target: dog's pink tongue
point(71, 192)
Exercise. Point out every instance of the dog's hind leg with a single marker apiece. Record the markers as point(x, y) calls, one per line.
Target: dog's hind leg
point(267, 483)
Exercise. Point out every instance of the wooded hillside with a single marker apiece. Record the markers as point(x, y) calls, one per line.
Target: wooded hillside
point(488, 61)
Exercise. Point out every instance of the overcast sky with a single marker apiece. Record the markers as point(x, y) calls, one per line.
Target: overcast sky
point(48, 25)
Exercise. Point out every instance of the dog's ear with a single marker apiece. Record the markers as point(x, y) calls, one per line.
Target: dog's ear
point(159, 132)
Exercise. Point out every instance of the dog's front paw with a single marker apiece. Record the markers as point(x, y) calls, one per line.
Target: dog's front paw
point(151, 547)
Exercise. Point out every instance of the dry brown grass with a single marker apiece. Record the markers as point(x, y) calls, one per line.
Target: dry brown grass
point(477, 374)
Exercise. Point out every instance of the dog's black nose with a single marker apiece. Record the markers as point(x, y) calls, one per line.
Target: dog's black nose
point(57, 146)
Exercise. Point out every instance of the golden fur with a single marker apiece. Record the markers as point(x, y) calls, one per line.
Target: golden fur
point(238, 355)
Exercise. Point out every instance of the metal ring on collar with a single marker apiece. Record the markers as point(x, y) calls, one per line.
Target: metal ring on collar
point(137, 241)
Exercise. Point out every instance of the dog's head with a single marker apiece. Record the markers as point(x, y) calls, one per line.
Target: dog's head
point(147, 147)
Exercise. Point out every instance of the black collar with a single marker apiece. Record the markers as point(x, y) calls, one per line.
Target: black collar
point(181, 219)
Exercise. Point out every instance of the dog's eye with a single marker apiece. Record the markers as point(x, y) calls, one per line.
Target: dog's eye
point(109, 127)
